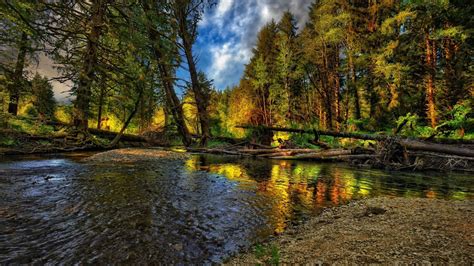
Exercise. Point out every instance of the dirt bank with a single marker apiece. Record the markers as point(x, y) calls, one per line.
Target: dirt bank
point(377, 230)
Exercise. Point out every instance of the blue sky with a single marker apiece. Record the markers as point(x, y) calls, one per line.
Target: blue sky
point(228, 31)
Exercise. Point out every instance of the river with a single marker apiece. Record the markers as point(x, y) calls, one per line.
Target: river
point(60, 209)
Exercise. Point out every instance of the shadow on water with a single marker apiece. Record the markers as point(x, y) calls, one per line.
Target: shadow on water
point(58, 209)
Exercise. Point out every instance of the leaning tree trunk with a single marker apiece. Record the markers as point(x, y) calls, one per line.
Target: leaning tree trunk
point(15, 86)
point(129, 119)
point(200, 96)
point(174, 105)
point(164, 70)
point(86, 76)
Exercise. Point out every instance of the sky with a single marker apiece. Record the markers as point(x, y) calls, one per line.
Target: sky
point(227, 34)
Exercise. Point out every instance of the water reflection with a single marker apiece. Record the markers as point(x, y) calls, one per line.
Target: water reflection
point(298, 189)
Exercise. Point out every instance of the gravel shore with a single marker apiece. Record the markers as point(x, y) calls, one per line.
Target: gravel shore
point(377, 230)
point(132, 155)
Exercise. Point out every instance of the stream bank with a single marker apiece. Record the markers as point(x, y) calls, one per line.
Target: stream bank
point(376, 230)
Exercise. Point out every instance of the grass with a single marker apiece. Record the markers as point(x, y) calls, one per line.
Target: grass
point(269, 254)
point(26, 124)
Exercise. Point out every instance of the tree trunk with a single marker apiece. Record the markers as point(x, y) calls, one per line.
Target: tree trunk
point(200, 95)
point(430, 87)
point(172, 101)
point(101, 103)
point(353, 87)
point(87, 74)
point(129, 119)
point(336, 89)
point(15, 86)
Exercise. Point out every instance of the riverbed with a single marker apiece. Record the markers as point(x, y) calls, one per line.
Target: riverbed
point(64, 208)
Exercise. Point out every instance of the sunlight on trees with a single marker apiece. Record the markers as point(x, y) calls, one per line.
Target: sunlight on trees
point(353, 66)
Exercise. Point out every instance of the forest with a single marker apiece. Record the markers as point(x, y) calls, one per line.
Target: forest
point(347, 136)
point(385, 67)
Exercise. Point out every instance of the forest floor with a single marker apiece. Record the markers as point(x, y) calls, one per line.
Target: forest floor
point(376, 230)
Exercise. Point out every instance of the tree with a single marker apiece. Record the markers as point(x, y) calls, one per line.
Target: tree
point(17, 34)
point(187, 14)
point(43, 96)
point(259, 73)
point(161, 40)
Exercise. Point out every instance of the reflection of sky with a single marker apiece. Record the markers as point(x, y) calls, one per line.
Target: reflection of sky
point(34, 164)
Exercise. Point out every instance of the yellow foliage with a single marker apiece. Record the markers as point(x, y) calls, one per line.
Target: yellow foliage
point(240, 112)
point(62, 114)
point(190, 114)
point(158, 120)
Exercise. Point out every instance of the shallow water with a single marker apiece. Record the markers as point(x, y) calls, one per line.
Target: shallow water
point(59, 209)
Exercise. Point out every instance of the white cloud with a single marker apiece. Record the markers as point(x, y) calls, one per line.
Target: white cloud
point(227, 59)
point(223, 7)
point(265, 13)
point(236, 25)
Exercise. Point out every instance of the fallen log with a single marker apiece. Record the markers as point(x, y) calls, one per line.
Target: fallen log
point(274, 150)
point(432, 147)
point(435, 161)
point(104, 133)
point(356, 135)
point(216, 151)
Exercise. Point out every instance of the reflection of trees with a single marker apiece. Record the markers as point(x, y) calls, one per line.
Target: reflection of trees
point(290, 188)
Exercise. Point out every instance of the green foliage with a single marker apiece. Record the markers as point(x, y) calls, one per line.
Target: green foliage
point(354, 66)
point(31, 111)
point(410, 123)
point(303, 140)
point(6, 141)
point(461, 119)
point(269, 254)
point(411, 126)
point(213, 143)
point(43, 96)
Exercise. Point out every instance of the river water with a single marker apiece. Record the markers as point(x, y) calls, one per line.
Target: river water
point(59, 209)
